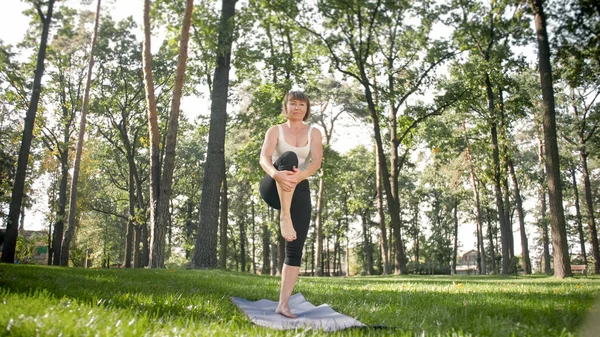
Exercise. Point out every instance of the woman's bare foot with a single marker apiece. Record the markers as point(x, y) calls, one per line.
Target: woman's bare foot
point(287, 228)
point(285, 311)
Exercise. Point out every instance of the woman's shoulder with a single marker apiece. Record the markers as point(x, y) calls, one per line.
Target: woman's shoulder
point(272, 132)
point(315, 130)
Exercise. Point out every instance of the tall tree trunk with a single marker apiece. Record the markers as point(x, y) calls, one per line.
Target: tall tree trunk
point(505, 231)
point(481, 265)
point(152, 122)
point(455, 237)
point(223, 223)
point(242, 225)
point(562, 264)
point(319, 226)
point(72, 223)
point(16, 199)
point(205, 250)
point(159, 230)
point(368, 265)
point(274, 262)
point(504, 173)
point(129, 242)
point(589, 203)
point(266, 241)
point(578, 215)
point(253, 235)
point(543, 210)
point(416, 235)
point(141, 229)
point(519, 204)
point(51, 221)
point(347, 271)
point(382, 227)
point(59, 226)
point(491, 240)
point(280, 253)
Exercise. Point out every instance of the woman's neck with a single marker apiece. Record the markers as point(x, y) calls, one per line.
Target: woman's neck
point(294, 124)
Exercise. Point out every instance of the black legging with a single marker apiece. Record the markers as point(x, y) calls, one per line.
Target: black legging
point(300, 209)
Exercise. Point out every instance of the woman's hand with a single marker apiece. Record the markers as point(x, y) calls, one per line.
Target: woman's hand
point(286, 179)
point(300, 175)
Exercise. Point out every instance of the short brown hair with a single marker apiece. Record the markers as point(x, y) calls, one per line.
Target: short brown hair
point(297, 95)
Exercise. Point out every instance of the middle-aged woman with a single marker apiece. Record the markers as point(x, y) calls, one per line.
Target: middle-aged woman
point(291, 153)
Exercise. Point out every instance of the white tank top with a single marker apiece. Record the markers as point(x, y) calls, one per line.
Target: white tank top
point(303, 153)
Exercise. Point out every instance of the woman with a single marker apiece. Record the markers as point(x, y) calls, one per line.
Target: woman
point(291, 153)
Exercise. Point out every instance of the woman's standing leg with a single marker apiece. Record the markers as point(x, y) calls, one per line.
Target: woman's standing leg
point(300, 212)
point(289, 277)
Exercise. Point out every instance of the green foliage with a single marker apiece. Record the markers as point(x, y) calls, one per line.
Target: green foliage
point(46, 301)
point(26, 246)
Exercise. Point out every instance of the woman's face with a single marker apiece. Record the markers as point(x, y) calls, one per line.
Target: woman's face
point(296, 109)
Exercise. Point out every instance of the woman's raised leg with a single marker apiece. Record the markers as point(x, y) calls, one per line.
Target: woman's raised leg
point(285, 217)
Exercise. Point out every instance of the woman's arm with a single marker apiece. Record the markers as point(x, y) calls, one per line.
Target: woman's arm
point(286, 179)
point(316, 151)
point(267, 150)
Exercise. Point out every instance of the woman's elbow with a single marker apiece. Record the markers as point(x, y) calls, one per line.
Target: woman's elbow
point(318, 161)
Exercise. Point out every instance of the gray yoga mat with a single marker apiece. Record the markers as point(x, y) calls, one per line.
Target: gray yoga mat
point(323, 317)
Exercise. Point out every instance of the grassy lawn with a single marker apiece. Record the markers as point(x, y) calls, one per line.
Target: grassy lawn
point(51, 301)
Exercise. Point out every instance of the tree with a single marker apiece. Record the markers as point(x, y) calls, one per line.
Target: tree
point(71, 222)
point(68, 56)
point(205, 251)
point(161, 180)
point(118, 118)
point(577, 70)
point(10, 238)
point(487, 33)
point(562, 264)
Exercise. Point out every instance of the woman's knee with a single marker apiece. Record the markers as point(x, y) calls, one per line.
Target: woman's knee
point(287, 160)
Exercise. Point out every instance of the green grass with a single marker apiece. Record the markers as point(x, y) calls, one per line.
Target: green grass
point(51, 301)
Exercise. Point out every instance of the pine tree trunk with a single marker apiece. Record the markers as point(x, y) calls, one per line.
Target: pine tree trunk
point(129, 242)
point(481, 263)
point(72, 222)
point(578, 215)
point(505, 231)
point(455, 237)
point(205, 251)
point(141, 229)
point(543, 211)
point(223, 223)
point(274, 261)
point(152, 124)
point(504, 174)
point(319, 226)
point(383, 242)
point(59, 226)
point(242, 225)
point(519, 204)
point(253, 236)
point(491, 240)
point(266, 241)
point(280, 253)
point(16, 199)
point(562, 264)
point(368, 262)
point(159, 230)
point(589, 203)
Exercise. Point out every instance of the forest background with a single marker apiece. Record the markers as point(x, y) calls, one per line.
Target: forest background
point(450, 89)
